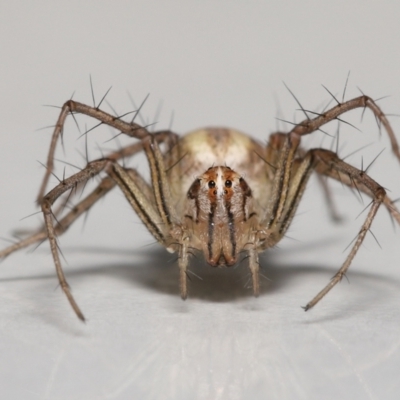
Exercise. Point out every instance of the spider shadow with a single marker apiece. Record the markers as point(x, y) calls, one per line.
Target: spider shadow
point(156, 270)
point(229, 283)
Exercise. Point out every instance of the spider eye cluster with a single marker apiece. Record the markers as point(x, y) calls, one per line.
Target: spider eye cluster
point(228, 184)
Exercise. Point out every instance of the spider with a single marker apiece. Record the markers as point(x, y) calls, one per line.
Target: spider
point(241, 200)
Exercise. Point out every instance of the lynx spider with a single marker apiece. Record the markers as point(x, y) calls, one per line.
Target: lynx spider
point(242, 200)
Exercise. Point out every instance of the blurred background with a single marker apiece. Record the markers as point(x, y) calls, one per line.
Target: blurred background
point(202, 64)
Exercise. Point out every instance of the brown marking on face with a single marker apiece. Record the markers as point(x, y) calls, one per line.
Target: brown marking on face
point(245, 187)
point(193, 194)
point(246, 194)
point(211, 177)
point(193, 191)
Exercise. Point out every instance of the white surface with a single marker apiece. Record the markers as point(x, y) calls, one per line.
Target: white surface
point(212, 63)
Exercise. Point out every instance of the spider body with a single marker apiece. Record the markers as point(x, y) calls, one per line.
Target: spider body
point(214, 190)
point(220, 208)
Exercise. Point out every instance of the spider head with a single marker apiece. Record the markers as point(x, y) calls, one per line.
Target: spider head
point(219, 207)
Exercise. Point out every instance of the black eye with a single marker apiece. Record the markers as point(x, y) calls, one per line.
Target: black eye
point(211, 184)
point(228, 183)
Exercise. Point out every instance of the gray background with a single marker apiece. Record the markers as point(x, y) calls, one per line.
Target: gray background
point(210, 63)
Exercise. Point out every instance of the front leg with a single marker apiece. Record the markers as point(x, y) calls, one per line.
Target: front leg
point(254, 266)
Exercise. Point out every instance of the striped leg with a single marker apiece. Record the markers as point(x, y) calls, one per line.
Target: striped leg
point(325, 162)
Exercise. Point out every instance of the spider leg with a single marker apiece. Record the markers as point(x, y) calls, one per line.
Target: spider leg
point(324, 170)
point(166, 210)
point(276, 224)
point(328, 163)
point(310, 125)
point(138, 192)
point(92, 169)
point(269, 234)
point(128, 182)
point(289, 149)
point(159, 217)
point(166, 137)
point(70, 107)
point(160, 182)
point(104, 187)
point(286, 196)
point(333, 213)
point(183, 265)
point(65, 222)
point(254, 266)
point(132, 186)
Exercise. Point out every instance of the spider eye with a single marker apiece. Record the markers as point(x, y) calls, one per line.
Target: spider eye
point(211, 184)
point(228, 183)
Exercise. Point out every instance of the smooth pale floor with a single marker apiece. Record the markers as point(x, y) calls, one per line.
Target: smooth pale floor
point(142, 340)
point(212, 63)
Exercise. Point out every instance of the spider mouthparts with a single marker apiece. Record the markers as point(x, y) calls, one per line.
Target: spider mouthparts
point(222, 260)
